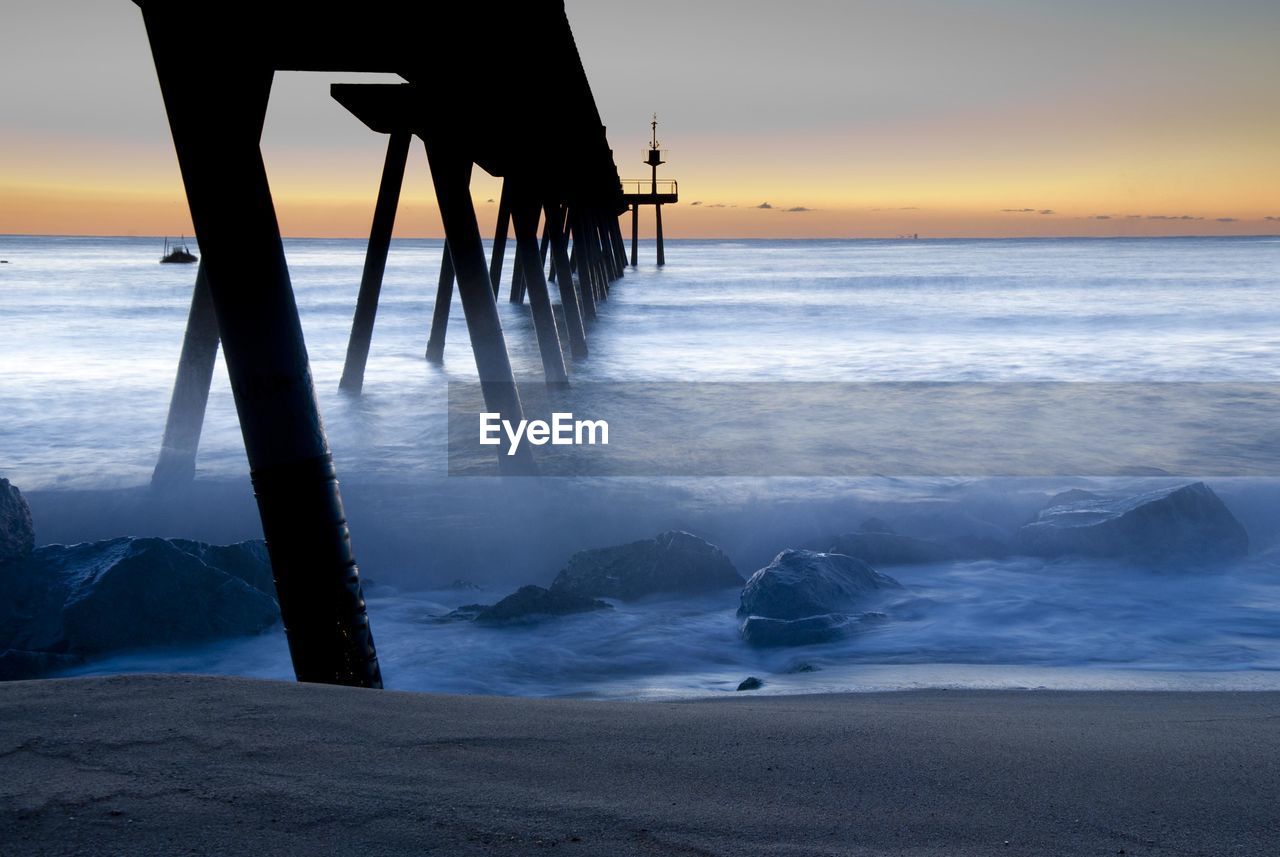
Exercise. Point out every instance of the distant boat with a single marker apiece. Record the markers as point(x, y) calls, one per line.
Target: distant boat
point(179, 254)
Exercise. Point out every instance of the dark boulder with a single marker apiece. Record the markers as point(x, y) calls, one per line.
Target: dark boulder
point(530, 603)
point(247, 561)
point(803, 597)
point(67, 602)
point(800, 583)
point(673, 562)
point(884, 548)
point(1185, 524)
point(750, 683)
point(17, 533)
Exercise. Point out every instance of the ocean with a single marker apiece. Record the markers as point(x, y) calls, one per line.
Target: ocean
point(93, 327)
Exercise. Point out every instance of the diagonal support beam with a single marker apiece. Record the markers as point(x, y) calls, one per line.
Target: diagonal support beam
point(500, 238)
point(564, 281)
point(177, 462)
point(375, 262)
point(440, 313)
point(215, 123)
point(525, 211)
point(451, 175)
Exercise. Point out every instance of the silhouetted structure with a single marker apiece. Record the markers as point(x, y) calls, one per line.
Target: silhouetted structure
point(638, 192)
point(177, 462)
point(215, 65)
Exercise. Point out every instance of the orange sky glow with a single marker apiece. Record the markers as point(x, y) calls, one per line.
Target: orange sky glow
point(1165, 126)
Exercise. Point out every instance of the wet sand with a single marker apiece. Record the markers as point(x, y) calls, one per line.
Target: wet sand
point(196, 765)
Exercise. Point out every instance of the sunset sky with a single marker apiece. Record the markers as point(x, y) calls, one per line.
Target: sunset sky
point(813, 118)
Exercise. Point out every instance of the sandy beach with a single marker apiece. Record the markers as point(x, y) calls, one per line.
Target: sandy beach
point(193, 765)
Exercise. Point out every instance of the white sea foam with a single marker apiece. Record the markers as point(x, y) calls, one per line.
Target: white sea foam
point(93, 328)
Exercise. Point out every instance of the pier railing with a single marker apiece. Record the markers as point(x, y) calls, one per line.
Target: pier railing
point(642, 186)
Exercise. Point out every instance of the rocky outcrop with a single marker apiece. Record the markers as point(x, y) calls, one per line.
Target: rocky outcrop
point(67, 602)
point(1187, 524)
point(805, 597)
point(673, 562)
point(531, 603)
point(17, 532)
point(884, 548)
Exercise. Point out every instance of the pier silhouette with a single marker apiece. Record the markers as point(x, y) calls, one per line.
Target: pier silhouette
point(638, 192)
point(215, 65)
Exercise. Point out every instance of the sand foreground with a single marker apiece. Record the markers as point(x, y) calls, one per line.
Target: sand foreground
point(196, 765)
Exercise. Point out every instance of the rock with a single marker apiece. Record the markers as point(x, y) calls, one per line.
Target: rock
point(750, 683)
point(247, 561)
point(673, 562)
point(801, 583)
point(803, 597)
point(885, 548)
point(1185, 524)
point(17, 532)
point(88, 599)
point(529, 603)
point(465, 613)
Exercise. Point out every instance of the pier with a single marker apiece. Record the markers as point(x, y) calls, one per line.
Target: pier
point(651, 191)
point(557, 170)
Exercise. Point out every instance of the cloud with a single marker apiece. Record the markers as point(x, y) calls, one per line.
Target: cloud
point(699, 202)
point(717, 205)
point(1099, 217)
point(1172, 217)
point(488, 200)
point(1269, 217)
point(1227, 219)
point(764, 205)
point(1047, 211)
point(1018, 210)
point(799, 208)
point(1134, 216)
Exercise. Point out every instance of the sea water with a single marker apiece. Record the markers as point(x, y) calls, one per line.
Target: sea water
point(93, 327)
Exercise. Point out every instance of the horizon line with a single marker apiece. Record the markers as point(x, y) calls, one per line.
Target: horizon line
point(669, 239)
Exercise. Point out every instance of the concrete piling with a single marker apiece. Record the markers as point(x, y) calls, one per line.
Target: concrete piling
point(375, 262)
point(177, 462)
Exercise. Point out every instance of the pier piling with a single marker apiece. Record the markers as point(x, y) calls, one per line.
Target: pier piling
point(524, 214)
point(635, 233)
point(215, 124)
point(569, 298)
point(498, 256)
point(440, 312)
point(177, 462)
point(375, 262)
point(451, 175)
